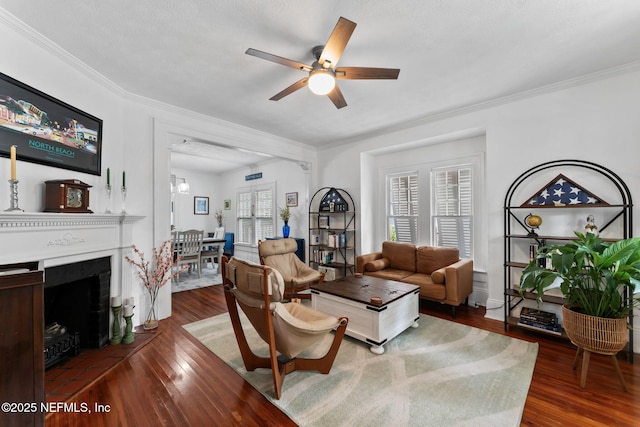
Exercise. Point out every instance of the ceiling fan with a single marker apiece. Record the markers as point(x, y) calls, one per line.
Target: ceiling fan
point(323, 72)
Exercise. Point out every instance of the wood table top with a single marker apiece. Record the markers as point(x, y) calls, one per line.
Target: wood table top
point(362, 288)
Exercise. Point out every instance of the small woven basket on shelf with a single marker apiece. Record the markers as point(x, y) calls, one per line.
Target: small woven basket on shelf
point(595, 334)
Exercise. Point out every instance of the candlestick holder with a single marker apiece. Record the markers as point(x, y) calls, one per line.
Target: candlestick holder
point(116, 338)
point(13, 197)
point(128, 330)
point(123, 190)
point(107, 189)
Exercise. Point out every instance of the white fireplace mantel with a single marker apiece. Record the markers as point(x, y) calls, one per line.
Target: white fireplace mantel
point(53, 238)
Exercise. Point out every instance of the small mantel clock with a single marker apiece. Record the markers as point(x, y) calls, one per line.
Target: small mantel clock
point(68, 196)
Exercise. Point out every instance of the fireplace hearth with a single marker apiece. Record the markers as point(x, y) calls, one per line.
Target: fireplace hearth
point(76, 308)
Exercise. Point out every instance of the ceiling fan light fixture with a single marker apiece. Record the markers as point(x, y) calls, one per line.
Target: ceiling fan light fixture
point(321, 81)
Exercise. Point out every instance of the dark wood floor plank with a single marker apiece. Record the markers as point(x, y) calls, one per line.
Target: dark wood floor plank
point(176, 381)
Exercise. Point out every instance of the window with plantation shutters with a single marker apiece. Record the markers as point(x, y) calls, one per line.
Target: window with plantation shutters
point(452, 212)
point(402, 207)
point(255, 215)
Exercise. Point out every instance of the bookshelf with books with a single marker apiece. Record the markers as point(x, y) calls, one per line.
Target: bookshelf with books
point(332, 231)
point(559, 207)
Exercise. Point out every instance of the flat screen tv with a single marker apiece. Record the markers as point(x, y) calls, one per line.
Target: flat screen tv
point(46, 130)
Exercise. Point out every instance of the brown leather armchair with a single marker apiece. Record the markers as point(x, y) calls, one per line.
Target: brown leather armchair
point(281, 255)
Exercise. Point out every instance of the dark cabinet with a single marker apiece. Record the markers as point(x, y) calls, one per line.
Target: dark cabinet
point(22, 343)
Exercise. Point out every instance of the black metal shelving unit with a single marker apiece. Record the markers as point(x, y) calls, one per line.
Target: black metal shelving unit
point(515, 230)
point(332, 230)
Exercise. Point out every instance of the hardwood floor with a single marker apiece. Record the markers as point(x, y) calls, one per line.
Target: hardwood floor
point(175, 381)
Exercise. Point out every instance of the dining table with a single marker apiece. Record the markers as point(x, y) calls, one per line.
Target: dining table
point(206, 243)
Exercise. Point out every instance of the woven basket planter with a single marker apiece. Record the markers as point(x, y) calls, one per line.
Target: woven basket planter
point(595, 334)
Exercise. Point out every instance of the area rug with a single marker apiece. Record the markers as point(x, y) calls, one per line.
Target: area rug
point(439, 374)
point(190, 280)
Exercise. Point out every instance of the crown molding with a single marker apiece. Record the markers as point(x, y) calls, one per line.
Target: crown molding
point(484, 105)
point(12, 22)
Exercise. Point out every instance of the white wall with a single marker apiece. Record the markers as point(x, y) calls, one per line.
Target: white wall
point(201, 185)
point(595, 121)
point(289, 177)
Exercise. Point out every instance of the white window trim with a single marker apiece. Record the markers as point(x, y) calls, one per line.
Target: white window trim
point(471, 216)
point(253, 189)
point(388, 177)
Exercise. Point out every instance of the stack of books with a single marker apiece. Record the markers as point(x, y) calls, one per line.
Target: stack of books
point(323, 257)
point(538, 319)
point(337, 240)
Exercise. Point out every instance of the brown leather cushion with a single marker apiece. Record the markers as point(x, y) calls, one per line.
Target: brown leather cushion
point(432, 258)
point(401, 256)
point(376, 265)
point(438, 276)
point(390, 274)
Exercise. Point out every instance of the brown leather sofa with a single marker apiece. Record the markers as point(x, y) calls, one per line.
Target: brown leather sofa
point(440, 273)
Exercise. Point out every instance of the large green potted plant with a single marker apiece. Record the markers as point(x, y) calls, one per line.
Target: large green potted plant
point(593, 275)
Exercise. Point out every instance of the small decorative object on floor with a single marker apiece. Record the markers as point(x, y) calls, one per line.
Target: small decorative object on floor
point(285, 214)
point(116, 307)
point(155, 276)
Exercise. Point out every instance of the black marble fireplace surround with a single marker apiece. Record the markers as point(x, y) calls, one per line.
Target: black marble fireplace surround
point(76, 296)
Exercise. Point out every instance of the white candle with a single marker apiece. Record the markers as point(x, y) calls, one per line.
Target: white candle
point(13, 162)
point(129, 301)
point(128, 311)
point(116, 301)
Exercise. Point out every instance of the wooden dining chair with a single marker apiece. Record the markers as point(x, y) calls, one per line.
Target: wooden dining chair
point(188, 246)
point(213, 251)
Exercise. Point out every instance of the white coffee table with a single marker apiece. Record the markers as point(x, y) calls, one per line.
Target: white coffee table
point(372, 323)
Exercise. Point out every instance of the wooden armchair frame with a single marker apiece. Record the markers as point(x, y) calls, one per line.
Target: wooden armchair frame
point(280, 365)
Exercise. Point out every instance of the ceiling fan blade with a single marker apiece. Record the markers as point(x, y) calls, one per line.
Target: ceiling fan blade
point(337, 42)
point(359, 73)
point(278, 59)
point(288, 91)
point(337, 98)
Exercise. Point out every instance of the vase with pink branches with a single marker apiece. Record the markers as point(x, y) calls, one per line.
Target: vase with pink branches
point(155, 274)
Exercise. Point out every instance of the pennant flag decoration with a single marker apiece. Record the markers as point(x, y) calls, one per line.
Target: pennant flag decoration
point(561, 191)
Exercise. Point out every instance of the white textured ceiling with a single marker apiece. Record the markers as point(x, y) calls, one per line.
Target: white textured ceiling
point(452, 53)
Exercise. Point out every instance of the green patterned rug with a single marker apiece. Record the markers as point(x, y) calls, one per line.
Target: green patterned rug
point(439, 374)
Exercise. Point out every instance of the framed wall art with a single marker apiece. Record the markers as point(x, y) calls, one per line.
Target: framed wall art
point(200, 205)
point(46, 130)
point(227, 204)
point(292, 199)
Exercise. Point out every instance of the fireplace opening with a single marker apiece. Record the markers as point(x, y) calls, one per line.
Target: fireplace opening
point(76, 308)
